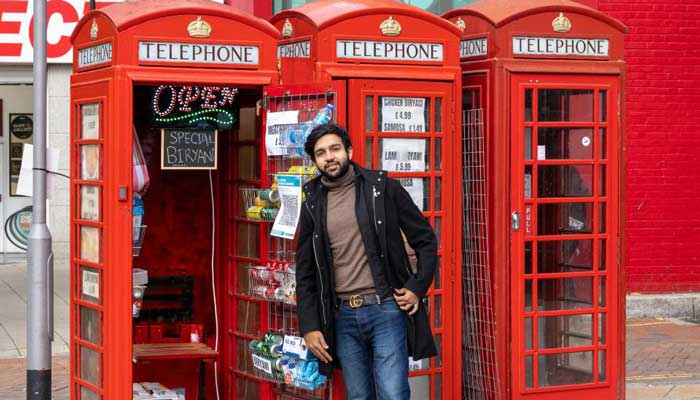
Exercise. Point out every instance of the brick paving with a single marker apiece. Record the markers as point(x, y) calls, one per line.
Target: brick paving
point(13, 379)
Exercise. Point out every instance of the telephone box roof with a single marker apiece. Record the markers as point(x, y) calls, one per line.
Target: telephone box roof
point(133, 12)
point(501, 12)
point(324, 13)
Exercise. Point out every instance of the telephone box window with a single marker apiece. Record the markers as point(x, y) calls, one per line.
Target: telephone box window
point(564, 180)
point(564, 218)
point(564, 294)
point(565, 256)
point(565, 331)
point(558, 105)
point(564, 143)
point(565, 368)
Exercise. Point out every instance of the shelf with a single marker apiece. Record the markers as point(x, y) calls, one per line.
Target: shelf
point(169, 351)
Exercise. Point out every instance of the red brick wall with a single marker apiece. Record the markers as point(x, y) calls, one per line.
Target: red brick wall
point(662, 49)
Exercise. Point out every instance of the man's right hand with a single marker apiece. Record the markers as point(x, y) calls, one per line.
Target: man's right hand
point(315, 341)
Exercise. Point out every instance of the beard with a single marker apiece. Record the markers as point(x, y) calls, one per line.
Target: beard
point(339, 173)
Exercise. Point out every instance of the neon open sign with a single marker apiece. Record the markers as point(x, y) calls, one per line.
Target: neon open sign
point(192, 104)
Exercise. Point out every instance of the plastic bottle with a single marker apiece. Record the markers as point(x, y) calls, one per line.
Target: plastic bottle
point(137, 215)
point(323, 116)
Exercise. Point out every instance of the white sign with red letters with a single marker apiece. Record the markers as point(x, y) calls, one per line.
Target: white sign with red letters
point(17, 27)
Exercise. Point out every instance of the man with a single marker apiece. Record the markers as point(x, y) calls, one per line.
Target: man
point(358, 301)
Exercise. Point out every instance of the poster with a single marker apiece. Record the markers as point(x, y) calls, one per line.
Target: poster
point(403, 155)
point(90, 244)
point(403, 114)
point(91, 284)
point(90, 117)
point(25, 181)
point(275, 142)
point(90, 203)
point(90, 162)
point(414, 187)
point(21, 130)
point(289, 187)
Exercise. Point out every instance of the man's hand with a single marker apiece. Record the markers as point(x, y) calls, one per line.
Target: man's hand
point(315, 341)
point(408, 301)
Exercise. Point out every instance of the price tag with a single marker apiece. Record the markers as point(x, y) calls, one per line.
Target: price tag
point(296, 346)
point(262, 364)
point(403, 155)
point(403, 114)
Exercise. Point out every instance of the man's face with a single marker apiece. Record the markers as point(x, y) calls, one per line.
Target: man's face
point(331, 157)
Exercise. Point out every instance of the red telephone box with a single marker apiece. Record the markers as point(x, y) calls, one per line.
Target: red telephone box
point(394, 72)
point(542, 137)
point(166, 90)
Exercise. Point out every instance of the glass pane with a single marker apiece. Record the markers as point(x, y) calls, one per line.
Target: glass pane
point(437, 312)
point(438, 386)
point(565, 369)
point(528, 143)
point(565, 256)
point(602, 179)
point(528, 181)
point(528, 257)
point(602, 292)
point(564, 294)
point(90, 121)
point(248, 317)
point(601, 328)
point(437, 227)
point(467, 100)
point(90, 325)
point(248, 162)
point(438, 345)
point(564, 143)
point(564, 218)
point(90, 366)
point(602, 255)
point(90, 162)
point(88, 394)
point(437, 282)
point(438, 114)
point(602, 143)
point(528, 333)
point(90, 244)
point(528, 105)
point(420, 386)
point(437, 200)
point(602, 366)
point(404, 155)
point(90, 284)
point(404, 114)
point(248, 238)
point(564, 180)
point(247, 389)
point(369, 113)
point(565, 105)
point(369, 152)
point(603, 106)
point(529, 373)
point(438, 154)
point(528, 295)
point(90, 202)
point(565, 331)
point(244, 361)
point(419, 189)
point(601, 218)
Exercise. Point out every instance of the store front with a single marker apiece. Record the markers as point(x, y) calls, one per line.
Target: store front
point(542, 138)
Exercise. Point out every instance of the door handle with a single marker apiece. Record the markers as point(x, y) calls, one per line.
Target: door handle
point(515, 221)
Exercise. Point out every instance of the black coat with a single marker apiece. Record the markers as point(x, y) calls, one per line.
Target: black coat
point(390, 210)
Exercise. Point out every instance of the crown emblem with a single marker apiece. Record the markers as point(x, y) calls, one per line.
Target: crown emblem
point(390, 27)
point(460, 24)
point(561, 24)
point(93, 30)
point(287, 29)
point(199, 28)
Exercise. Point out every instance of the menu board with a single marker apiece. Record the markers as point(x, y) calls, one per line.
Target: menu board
point(188, 148)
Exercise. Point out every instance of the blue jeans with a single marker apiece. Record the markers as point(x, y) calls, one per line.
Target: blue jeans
point(373, 352)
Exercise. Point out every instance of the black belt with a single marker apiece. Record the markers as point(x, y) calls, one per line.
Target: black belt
point(359, 300)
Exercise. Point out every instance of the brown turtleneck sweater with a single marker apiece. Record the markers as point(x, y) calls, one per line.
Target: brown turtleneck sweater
point(351, 266)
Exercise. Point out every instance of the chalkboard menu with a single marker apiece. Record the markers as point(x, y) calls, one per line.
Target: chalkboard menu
point(188, 148)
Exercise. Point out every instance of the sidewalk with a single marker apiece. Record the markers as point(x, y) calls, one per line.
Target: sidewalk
point(663, 355)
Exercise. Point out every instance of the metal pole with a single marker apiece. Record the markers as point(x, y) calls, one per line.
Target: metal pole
point(92, 4)
point(40, 257)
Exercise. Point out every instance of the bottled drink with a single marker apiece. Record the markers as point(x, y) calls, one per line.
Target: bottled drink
point(324, 115)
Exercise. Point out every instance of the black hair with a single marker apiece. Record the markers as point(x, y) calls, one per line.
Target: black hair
point(322, 130)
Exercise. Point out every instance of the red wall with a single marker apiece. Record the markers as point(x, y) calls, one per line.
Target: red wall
point(662, 49)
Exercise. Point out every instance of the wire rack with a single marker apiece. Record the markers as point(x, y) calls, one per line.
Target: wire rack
point(480, 379)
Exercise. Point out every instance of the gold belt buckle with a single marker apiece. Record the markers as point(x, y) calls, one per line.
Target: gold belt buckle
point(355, 301)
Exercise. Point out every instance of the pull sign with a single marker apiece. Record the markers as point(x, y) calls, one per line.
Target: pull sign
point(515, 221)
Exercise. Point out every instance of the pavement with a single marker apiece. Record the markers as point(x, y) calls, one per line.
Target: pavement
point(663, 354)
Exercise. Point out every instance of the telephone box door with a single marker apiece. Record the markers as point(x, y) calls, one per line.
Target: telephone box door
point(407, 128)
point(564, 236)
